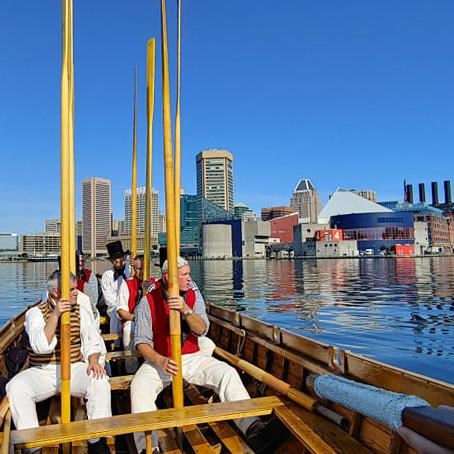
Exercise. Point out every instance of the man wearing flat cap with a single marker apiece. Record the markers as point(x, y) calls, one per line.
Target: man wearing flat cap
point(111, 281)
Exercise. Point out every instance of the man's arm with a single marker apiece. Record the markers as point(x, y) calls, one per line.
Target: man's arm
point(122, 303)
point(40, 341)
point(92, 343)
point(143, 339)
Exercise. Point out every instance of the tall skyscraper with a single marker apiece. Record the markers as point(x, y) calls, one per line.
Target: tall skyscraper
point(215, 177)
point(305, 201)
point(141, 205)
point(96, 214)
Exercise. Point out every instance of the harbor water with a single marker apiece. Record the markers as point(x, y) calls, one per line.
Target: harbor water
point(396, 310)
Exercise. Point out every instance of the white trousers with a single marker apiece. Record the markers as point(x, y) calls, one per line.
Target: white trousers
point(198, 369)
point(39, 383)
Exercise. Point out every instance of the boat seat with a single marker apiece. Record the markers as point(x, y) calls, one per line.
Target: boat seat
point(130, 423)
point(316, 433)
point(122, 382)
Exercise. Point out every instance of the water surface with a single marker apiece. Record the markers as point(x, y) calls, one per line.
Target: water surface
point(400, 311)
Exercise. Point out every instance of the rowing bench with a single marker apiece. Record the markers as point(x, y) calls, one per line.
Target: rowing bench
point(148, 421)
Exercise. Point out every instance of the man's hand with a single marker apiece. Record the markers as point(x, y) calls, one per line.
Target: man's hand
point(97, 369)
point(177, 303)
point(60, 307)
point(168, 365)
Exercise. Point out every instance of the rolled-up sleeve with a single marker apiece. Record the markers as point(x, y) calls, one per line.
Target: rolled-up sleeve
point(199, 306)
point(91, 339)
point(143, 329)
point(34, 326)
point(123, 298)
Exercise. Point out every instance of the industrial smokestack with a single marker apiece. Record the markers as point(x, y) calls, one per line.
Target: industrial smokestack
point(422, 193)
point(409, 193)
point(434, 193)
point(448, 199)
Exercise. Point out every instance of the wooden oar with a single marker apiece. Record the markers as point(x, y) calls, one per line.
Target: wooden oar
point(148, 178)
point(134, 174)
point(67, 136)
point(6, 433)
point(177, 163)
point(306, 401)
point(175, 325)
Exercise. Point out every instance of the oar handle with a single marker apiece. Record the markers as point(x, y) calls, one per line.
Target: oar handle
point(436, 424)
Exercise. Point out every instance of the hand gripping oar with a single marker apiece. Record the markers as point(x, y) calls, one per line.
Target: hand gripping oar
point(393, 409)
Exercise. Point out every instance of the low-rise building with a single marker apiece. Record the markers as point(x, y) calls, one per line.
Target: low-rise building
point(40, 244)
point(9, 244)
point(330, 249)
point(256, 235)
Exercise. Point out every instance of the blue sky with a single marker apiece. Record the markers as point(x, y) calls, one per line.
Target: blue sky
point(357, 94)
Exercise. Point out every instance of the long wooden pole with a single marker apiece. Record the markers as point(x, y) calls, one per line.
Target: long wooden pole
point(134, 174)
point(175, 328)
point(66, 147)
point(177, 162)
point(151, 46)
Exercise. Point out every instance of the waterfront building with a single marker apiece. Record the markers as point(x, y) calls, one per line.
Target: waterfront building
point(303, 233)
point(40, 244)
point(141, 209)
point(96, 215)
point(9, 244)
point(328, 249)
point(234, 238)
point(421, 237)
point(376, 231)
point(282, 227)
point(346, 202)
point(215, 177)
point(305, 201)
point(275, 212)
point(243, 212)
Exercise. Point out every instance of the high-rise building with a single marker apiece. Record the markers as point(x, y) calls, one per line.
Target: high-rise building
point(162, 223)
point(96, 214)
point(275, 212)
point(215, 177)
point(141, 208)
point(305, 201)
point(243, 212)
point(52, 225)
point(366, 194)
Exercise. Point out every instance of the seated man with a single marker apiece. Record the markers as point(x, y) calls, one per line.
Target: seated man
point(129, 295)
point(152, 339)
point(42, 380)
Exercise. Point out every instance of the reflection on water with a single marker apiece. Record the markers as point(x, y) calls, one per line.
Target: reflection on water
point(396, 310)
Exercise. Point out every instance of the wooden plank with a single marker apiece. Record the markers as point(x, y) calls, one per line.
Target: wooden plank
point(198, 442)
point(122, 355)
point(226, 314)
point(264, 330)
point(109, 337)
point(395, 379)
point(121, 382)
point(223, 430)
point(130, 423)
point(6, 433)
point(167, 443)
point(316, 433)
point(314, 350)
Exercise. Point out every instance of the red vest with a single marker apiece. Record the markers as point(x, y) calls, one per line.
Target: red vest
point(160, 319)
point(133, 287)
point(83, 279)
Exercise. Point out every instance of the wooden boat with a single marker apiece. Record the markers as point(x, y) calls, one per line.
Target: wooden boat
point(280, 363)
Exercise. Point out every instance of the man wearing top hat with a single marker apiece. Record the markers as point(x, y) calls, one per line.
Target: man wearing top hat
point(111, 281)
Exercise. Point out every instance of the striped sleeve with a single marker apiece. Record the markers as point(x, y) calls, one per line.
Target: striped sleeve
point(143, 328)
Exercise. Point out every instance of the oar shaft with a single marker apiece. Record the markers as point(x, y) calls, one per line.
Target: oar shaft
point(134, 173)
point(148, 183)
point(175, 324)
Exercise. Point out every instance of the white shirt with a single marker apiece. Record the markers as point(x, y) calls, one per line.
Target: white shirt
point(123, 298)
point(91, 340)
point(110, 290)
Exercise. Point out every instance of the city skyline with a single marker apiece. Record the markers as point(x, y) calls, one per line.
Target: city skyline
point(352, 95)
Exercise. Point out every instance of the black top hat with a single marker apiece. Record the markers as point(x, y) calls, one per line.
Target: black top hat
point(115, 249)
